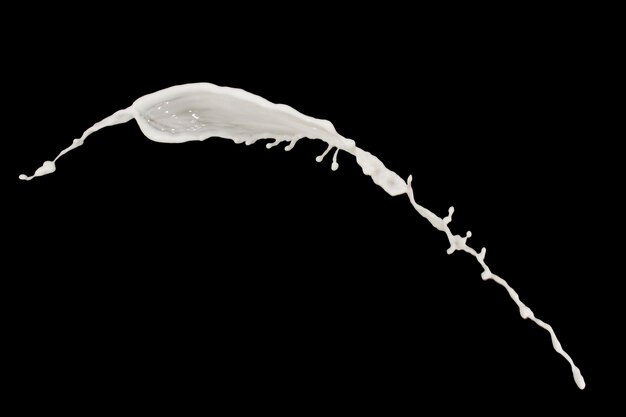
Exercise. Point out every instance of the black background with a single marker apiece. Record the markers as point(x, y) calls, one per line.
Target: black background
point(210, 273)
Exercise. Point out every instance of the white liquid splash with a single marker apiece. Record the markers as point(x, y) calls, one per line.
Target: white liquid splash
point(200, 111)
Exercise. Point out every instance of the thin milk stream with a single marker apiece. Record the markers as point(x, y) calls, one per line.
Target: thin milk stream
point(200, 111)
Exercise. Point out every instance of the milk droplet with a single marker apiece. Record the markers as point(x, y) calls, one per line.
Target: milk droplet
point(485, 275)
point(580, 381)
point(321, 157)
point(525, 312)
point(335, 165)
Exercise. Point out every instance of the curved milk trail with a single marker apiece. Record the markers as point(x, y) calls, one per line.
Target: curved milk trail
point(48, 167)
point(460, 243)
point(200, 111)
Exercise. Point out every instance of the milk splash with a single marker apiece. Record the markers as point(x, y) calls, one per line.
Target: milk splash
point(201, 111)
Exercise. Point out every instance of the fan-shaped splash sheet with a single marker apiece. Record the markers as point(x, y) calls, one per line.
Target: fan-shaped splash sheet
point(202, 110)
